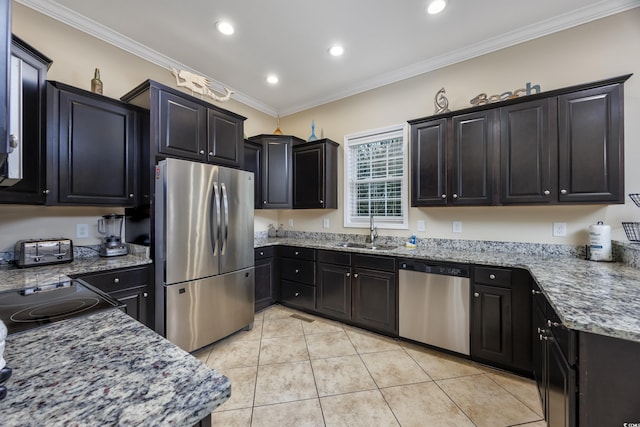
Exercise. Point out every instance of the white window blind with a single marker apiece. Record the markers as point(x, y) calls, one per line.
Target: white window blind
point(376, 178)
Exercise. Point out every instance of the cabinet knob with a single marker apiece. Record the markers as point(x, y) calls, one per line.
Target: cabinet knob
point(131, 195)
point(547, 192)
point(211, 153)
point(321, 202)
point(552, 324)
point(348, 274)
point(116, 280)
point(45, 191)
point(261, 253)
point(297, 294)
point(476, 294)
point(534, 292)
point(563, 191)
point(455, 196)
point(201, 151)
point(297, 253)
point(264, 202)
point(145, 294)
point(355, 275)
point(444, 196)
point(492, 276)
point(13, 141)
point(544, 337)
point(297, 271)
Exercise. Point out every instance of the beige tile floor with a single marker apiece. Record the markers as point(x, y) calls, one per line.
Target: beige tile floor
point(289, 371)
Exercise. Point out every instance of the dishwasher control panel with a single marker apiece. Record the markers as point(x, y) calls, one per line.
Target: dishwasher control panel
point(428, 267)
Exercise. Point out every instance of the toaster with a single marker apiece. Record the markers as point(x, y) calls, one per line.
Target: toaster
point(35, 252)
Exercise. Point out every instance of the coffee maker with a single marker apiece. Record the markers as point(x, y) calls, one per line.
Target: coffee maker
point(110, 226)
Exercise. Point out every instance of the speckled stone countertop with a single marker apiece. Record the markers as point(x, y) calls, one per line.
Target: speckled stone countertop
point(105, 369)
point(597, 297)
point(17, 278)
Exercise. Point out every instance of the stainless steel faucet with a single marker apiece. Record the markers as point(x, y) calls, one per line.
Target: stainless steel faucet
point(373, 231)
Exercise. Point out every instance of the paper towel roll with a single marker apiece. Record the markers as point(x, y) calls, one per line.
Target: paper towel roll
point(600, 242)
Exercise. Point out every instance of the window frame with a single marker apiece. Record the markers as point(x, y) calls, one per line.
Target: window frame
point(382, 222)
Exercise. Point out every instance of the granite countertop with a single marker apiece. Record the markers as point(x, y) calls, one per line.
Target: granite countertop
point(17, 278)
point(597, 297)
point(105, 369)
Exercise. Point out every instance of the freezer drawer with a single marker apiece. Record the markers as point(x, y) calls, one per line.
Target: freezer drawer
point(203, 311)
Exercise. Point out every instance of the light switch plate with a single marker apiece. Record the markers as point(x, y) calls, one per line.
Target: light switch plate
point(421, 225)
point(559, 229)
point(291, 223)
point(457, 226)
point(325, 222)
point(82, 231)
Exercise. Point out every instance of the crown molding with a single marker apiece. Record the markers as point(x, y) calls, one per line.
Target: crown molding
point(574, 18)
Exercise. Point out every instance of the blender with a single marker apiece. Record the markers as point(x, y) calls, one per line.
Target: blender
point(110, 226)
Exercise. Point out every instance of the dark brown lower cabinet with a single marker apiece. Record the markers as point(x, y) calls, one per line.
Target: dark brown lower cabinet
point(375, 300)
point(131, 286)
point(334, 290)
point(266, 277)
point(491, 324)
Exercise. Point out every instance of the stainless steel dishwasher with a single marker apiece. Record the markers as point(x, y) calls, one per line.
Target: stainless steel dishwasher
point(434, 304)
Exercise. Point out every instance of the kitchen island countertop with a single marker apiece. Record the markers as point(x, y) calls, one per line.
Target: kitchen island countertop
point(596, 297)
point(105, 369)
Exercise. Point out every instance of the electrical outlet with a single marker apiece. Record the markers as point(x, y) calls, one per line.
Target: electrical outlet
point(325, 222)
point(457, 226)
point(82, 231)
point(291, 223)
point(421, 225)
point(559, 229)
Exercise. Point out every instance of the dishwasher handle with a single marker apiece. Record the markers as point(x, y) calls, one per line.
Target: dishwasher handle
point(445, 269)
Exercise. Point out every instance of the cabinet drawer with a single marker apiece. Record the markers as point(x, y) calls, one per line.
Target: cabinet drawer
point(334, 257)
point(299, 270)
point(565, 338)
point(299, 294)
point(300, 253)
point(265, 252)
point(117, 280)
point(492, 276)
point(373, 262)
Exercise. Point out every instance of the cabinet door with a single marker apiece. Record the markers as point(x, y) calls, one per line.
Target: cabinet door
point(429, 163)
point(136, 303)
point(95, 148)
point(590, 129)
point(31, 73)
point(225, 140)
point(528, 153)
point(472, 158)
point(374, 300)
point(561, 389)
point(540, 353)
point(277, 177)
point(491, 324)
point(309, 177)
point(265, 282)
point(253, 163)
point(334, 290)
point(183, 127)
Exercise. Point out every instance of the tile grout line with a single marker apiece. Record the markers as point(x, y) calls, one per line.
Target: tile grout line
point(518, 399)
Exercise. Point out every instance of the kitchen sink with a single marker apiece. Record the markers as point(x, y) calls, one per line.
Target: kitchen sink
point(370, 246)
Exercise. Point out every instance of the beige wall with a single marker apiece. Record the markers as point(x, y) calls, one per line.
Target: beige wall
point(594, 51)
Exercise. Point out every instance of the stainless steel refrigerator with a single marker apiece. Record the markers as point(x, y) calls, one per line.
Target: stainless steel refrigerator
point(203, 252)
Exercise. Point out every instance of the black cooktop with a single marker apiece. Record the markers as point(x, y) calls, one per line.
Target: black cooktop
point(29, 308)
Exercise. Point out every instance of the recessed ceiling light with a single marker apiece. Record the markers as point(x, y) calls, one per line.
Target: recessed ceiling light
point(272, 78)
point(225, 27)
point(336, 50)
point(436, 6)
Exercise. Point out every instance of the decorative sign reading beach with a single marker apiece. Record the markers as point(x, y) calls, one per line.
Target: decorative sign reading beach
point(483, 99)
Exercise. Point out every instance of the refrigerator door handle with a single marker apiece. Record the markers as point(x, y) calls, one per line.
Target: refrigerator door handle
point(215, 223)
point(225, 203)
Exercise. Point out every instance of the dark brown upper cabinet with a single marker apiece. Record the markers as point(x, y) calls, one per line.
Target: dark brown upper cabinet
point(91, 148)
point(28, 99)
point(564, 146)
point(253, 163)
point(187, 127)
point(452, 160)
point(315, 175)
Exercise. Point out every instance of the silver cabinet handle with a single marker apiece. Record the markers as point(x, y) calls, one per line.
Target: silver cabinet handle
point(145, 294)
point(261, 253)
point(444, 196)
point(547, 192)
point(355, 275)
point(455, 196)
point(211, 153)
point(297, 253)
point(264, 202)
point(563, 191)
point(544, 337)
point(492, 276)
point(534, 292)
point(552, 324)
point(476, 294)
point(297, 293)
point(201, 151)
point(321, 202)
point(131, 195)
point(297, 271)
point(116, 280)
point(46, 191)
point(348, 274)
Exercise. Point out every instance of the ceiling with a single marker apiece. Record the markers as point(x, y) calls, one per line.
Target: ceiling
point(384, 40)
